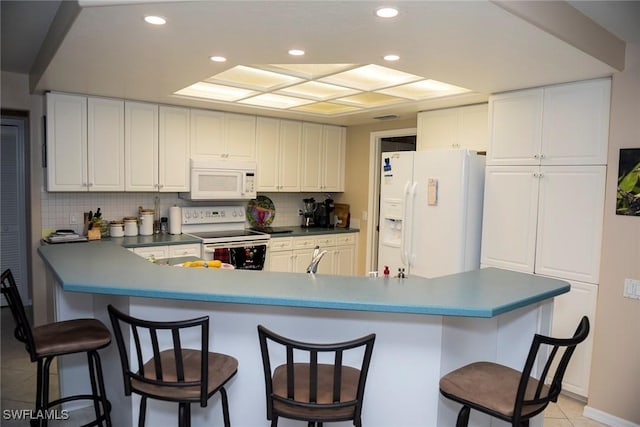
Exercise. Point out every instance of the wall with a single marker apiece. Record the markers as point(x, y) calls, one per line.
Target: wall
point(615, 372)
point(357, 177)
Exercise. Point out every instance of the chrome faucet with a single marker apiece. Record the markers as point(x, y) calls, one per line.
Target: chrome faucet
point(315, 260)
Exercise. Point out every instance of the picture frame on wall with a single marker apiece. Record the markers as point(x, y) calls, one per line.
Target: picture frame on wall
point(628, 194)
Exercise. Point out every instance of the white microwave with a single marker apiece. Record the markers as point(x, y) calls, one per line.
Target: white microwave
point(218, 179)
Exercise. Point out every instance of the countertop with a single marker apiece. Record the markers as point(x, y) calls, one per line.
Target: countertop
point(297, 231)
point(102, 267)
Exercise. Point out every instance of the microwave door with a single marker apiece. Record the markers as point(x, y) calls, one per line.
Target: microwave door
point(223, 185)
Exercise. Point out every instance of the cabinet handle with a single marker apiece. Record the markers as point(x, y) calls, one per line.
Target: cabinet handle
point(536, 156)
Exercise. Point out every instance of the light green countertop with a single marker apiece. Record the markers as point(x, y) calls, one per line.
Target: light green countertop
point(102, 267)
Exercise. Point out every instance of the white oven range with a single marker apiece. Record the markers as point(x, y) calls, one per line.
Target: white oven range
point(224, 236)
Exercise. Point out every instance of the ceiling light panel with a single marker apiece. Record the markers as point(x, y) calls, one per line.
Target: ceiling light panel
point(370, 100)
point(326, 108)
point(215, 92)
point(370, 77)
point(318, 91)
point(254, 78)
point(310, 71)
point(423, 89)
point(272, 100)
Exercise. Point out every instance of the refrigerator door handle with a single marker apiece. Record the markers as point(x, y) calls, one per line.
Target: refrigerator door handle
point(406, 195)
point(410, 255)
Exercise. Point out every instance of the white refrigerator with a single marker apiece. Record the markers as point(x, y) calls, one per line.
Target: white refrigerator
point(430, 212)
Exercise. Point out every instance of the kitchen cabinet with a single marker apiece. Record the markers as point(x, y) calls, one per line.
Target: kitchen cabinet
point(85, 143)
point(105, 144)
point(223, 135)
point(294, 254)
point(152, 252)
point(173, 149)
point(459, 127)
point(141, 146)
point(278, 154)
point(66, 142)
point(565, 124)
point(544, 219)
point(568, 310)
point(193, 249)
point(168, 251)
point(323, 158)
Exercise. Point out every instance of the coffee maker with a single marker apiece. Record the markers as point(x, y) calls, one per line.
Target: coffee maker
point(308, 213)
point(324, 213)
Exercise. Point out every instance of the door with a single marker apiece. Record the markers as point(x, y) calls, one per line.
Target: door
point(13, 210)
point(105, 144)
point(396, 177)
point(174, 149)
point(141, 146)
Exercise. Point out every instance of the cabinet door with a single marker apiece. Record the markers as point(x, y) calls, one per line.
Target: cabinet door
point(268, 149)
point(105, 144)
point(207, 133)
point(152, 252)
point(515, 128)
point(345, 260)
point(568, 309)
point(301, 260)
point(290, 154)
point(473, 128)
point(174, 149)
point(192, 249)
point(141, 146)
point(281, 261)
point(240, 136)
point(66, 142)
point(332, 166)
point(437, 129)
point(509, 219)
point(311, 174)
point(571, 206)
point(576, 123)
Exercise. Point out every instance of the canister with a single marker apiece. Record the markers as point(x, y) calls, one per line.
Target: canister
point(146, 222)
point(130, 226)
point(116, 228)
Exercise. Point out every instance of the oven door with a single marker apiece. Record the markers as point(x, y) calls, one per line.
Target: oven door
point(249, 255)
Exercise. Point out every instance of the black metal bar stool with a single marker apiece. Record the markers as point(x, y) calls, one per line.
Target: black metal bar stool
point(174, 374)
point(306, 390)
point(45, 343)
point(508, 394)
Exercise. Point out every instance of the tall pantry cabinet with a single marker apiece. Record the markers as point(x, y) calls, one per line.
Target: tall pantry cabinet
point(544, 197)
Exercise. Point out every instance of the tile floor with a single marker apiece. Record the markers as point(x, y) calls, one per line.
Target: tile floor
point(17, 387)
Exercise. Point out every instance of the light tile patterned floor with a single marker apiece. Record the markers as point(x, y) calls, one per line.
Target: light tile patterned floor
point(17, 387)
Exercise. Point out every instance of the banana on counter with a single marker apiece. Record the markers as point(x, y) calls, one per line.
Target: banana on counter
point(203, 264)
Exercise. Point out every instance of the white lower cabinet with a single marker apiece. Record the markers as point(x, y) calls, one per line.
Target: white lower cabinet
point(294, 254)
point(567, 312)
point(168, 251)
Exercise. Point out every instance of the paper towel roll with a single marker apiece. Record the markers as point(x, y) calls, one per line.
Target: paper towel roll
point(175, 220)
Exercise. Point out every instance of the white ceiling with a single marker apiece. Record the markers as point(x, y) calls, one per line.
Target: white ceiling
point(109, 51)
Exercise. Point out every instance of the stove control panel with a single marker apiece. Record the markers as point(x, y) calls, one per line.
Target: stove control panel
point(212, 214)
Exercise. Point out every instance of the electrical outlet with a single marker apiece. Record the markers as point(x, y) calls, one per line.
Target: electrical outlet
point(631, 288)
point(73, 219)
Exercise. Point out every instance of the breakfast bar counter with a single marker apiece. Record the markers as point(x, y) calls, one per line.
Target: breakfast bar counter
point(424, 327)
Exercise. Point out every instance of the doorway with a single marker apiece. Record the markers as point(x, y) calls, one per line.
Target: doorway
point(14, 229)
point(392, 140)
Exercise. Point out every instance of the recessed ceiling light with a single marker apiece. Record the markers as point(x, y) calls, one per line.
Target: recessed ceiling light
point(155, 20)
point(296, 52)
point(218, 58)
point(391, 57)
point(387, 12)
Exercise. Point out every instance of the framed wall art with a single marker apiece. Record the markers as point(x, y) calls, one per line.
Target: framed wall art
point(628, 197)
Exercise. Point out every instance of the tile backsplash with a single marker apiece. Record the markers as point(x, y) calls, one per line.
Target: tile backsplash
point(57, 209)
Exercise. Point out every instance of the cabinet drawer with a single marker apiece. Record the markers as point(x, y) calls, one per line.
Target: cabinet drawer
point(184, 250)
point(328, 240)
point(156, 252)
point(304, 242)
point(281, 244)
point(346, 239)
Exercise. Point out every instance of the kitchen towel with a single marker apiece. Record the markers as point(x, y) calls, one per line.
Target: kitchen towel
point(175, 220)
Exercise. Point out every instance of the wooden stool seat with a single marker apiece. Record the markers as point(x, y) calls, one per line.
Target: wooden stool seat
point(70, 336)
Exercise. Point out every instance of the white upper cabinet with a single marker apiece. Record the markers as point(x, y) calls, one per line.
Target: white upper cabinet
point(174, 149)
point(223, 135)
point(141, 146)
point(566, 124)
point(279, 145)
point(323, 157)
point(460, 127)
point(66, 142)
point(105, 144)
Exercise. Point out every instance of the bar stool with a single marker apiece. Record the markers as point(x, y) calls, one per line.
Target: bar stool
point(175, 374)
point(508, 394)
point(45, 343)
point(303, 389)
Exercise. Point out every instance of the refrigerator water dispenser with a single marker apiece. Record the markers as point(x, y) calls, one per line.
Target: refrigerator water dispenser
point(391, 233)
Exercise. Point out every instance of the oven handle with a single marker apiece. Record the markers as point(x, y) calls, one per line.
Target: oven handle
point(210, 247)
